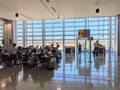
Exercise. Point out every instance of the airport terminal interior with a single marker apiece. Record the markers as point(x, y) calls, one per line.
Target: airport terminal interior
point(59, 45)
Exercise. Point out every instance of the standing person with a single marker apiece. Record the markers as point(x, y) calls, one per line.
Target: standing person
point(14, 53)
point(96, 45)
point(79, 47)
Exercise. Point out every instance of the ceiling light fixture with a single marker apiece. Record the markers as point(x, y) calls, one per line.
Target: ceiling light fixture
point(97, 10)
point(16, 15)
point(53, 9)
point(46, 7)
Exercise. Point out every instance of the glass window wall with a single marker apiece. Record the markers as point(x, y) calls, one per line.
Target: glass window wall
point(52, 31)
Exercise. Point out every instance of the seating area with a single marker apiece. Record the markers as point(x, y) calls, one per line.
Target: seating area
point(31, 56)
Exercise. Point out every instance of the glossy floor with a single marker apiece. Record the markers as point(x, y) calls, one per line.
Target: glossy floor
point(74, 72)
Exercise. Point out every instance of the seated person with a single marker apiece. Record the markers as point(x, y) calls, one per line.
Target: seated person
point(34, 58)
point(6, 53)
point(48, 52)
point(6, 56)
point(43, 57)
point(53, 50)
point(57, 45)
point(32, 54)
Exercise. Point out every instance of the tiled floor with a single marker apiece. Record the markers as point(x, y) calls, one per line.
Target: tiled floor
point(74, 72)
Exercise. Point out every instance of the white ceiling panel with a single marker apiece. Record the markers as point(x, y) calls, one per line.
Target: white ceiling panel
point(41, 9)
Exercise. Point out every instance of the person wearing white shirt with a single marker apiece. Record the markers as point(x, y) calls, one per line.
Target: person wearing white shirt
point(14, 53)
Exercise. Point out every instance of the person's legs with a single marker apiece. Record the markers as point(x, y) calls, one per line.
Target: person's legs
point(79, 49)
point(96, 51)
point(15, 59)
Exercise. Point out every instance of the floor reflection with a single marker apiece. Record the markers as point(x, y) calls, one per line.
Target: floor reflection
point(99, 71)
point(74, 72)
point(8, 78)
point(39, 76)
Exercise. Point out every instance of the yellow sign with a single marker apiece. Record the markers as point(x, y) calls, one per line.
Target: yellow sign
point(80, 33)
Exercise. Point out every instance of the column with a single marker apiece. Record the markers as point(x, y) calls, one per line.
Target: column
point(118, 63)
point(43, 33)
point(8, 34)
point(110, 34)
point(119, 35)
point(24, 34)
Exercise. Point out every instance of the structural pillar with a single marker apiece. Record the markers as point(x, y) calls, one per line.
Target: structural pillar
point(8, 34)
point(119, 35)
point(118, 42)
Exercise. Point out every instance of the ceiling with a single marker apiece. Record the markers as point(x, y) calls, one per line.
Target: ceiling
point(54, 9)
